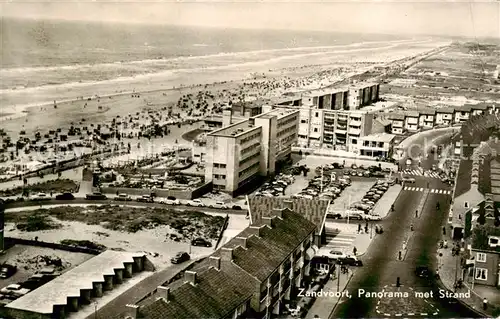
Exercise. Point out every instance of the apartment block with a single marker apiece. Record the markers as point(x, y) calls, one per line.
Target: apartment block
point(328, 99)
point(362, 94)
point(445, 116)
point(239, 153)
point(252, 276)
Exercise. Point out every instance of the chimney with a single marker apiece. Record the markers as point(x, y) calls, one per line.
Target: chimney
point(288, 204)
point(131, 312)
point(269, 221)
point(241, 241)
point(226, 254)
point(255, 230)
point(214, 262)
point(227, 118)
point(190, 276)
point(163, 292)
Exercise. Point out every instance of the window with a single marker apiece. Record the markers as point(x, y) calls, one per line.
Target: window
point(481, 274)
point(315, 130)
point(303, 121)
point(317, 114)
point(481, 257)
point(354, 141)
point(493, 241)
point(466, 204)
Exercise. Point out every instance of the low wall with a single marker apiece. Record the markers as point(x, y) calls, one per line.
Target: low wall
point(222, 229)
point(179, 194)
point(74, 249)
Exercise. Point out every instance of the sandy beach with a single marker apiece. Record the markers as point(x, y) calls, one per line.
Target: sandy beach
point(27, 109)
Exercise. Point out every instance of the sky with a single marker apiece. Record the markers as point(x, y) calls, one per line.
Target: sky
point(438, 17)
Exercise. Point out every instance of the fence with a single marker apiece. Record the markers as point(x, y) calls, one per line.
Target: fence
point(28, 242)
point(164, 193)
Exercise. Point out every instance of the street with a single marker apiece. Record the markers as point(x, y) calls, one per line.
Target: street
point(383, 267)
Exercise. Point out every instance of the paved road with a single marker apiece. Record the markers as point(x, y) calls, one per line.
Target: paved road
point(382, 265)
point(81, 201)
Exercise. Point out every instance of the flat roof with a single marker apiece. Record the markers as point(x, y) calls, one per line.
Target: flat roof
point(234, 130)
point(251, 104)
point(70, 284)
point(319, 92)
point(278, 112)
point(362, 85)
point(379, 137)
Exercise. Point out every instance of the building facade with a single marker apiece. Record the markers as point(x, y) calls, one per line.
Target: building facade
point(376, 145)
point(240, 153)
point(362, 94)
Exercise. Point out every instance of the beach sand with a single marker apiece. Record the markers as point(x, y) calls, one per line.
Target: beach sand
point(115, 102)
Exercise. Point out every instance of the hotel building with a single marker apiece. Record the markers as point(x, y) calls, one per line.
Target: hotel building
point(239, 153)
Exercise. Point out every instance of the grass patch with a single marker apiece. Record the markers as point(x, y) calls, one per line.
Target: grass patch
point(54, 186)
point(35, 222)
point(187, 224)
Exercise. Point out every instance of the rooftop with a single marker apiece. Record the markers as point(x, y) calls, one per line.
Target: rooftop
point(396, 116)
point(463, 178)
point(426, 111)
point(217, 293)
point(411, 114)
point(235, 129)
point(362, 85)
point(379, 137)
point(70, 284)
point(251, 104)
point(278, 112)
point(313, 210)
point(447, 110)
point(320, 92)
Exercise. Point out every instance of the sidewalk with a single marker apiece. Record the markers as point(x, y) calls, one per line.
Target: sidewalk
point(383, 206)
point(324, 305)
point(448, 271)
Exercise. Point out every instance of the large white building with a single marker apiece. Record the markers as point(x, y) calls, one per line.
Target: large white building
point(239, 153)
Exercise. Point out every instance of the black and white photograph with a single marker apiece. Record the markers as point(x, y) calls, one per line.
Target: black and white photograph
point(260, 159)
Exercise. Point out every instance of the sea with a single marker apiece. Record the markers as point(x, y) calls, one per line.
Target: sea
point(41, 53)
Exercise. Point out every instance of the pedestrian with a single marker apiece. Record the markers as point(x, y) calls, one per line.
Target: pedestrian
point(444, 230)
point(359, 228)
point(354, 251)
point(416, 213)
point(485, 303)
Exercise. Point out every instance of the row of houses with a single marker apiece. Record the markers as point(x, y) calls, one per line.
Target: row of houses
point(426, 118)
point(254, 275)
point(474, 215)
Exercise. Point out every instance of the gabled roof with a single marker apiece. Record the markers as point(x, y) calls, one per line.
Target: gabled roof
point(396, 116)
point(411, 114)
point(447, 110)
point(426, 111)
point(314, 210)
point(463, 178)
point(217, 293)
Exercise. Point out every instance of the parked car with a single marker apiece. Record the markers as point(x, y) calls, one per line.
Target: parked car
point(373, 217)
point(350, 261)
point(123, 198)
point(96, 196)
point(408, 162)
point(201, 242)
point(180, 257)
point(171, 200)
point(357, 216)
point(195, 203)
point(65, 196)
point(236, 207)
point(14, 290)
point(336, 255)
point(219, 205)
point(40, 196)
point(145, 199)
point(334, 215)
point(408, 180)
point(7, 270)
